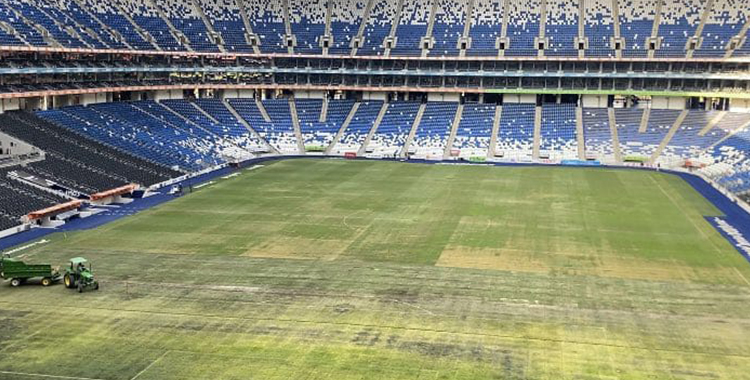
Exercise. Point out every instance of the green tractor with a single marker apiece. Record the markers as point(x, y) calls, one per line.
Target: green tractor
point(80, 276)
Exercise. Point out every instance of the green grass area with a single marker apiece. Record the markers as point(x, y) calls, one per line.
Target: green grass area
point(333, 269)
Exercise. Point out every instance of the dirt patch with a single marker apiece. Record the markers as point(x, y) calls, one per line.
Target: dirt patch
point(603, 264)
point(490, 258)
point(298, 248)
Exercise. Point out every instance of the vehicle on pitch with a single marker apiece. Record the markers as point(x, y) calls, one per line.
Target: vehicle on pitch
point(19, 272)
point(80, 276)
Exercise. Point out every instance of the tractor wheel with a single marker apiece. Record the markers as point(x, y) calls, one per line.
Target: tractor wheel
point(69, 282)
point(15, 282)
point(46, 281)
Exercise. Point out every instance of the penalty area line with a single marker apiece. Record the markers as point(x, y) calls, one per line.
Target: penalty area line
point(43, 376)
point(150, 365)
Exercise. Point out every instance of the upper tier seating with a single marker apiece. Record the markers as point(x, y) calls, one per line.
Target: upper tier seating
point(561, 28)
point(178, 25)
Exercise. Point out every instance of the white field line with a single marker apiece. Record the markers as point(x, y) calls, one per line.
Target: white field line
point(150, 365)
point(697, 227)
point(254, 167)
point(46, 376)
point(230, 176)
point(27, 246)
point(204, 184)
point(741, 276)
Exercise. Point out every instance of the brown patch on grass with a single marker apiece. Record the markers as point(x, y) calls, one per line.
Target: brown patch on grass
point(603, 264)
point(298, 248)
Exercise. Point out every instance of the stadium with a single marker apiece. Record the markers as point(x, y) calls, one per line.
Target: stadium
point(374, 189)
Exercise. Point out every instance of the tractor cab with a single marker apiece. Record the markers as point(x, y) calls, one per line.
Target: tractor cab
point(79, 275)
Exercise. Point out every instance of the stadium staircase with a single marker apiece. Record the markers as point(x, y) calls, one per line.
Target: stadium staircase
point(430, 26)
point(454, 130)
point(616, 26)
point(209, 27)
point(413, 131)
point(343, 128)
point(247, 126)
point(248, 26)
point(178, 36)
point(655, 26)
point(324, 111)
point(615, 139)
point(296, 125)
point(146, 35)
point(644, 120)
point(327, 31)
point(580, 137)
point(537, 132)
point(287, 25)
point(362, 25)
point(742, 35)
point(262, 110)
point(394, 27)
point(375, 125)
point(711, 124)
point(495, 130)
point(675, 127)
point(92, 15)
point(467, 25)
point(504, 29)
point(542, 26)
point(699, 31)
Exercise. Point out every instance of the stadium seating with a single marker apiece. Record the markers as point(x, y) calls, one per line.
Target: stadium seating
point(378, 27)
point(190, 135)
point(597, 134)
point(17, 199)
point(725, 21)
point(393, 130)
point(515, 138)
point(318, 133)
point(59, 142)
point(177, 25)
point(598, 28)
point(361, 124)
point(486, 26)
point(523, 28)
point(561, 28)
point(308, 22)
point(279, 131)
point(643, 144)
point(636, 22)
point(475, 129)
point(448, 27)
point(558, 133)
point(433, 129)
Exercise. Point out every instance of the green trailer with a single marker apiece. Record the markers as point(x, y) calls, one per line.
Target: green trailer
point(19, 272)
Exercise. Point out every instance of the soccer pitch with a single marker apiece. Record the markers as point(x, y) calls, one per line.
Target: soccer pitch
point(333, 269)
